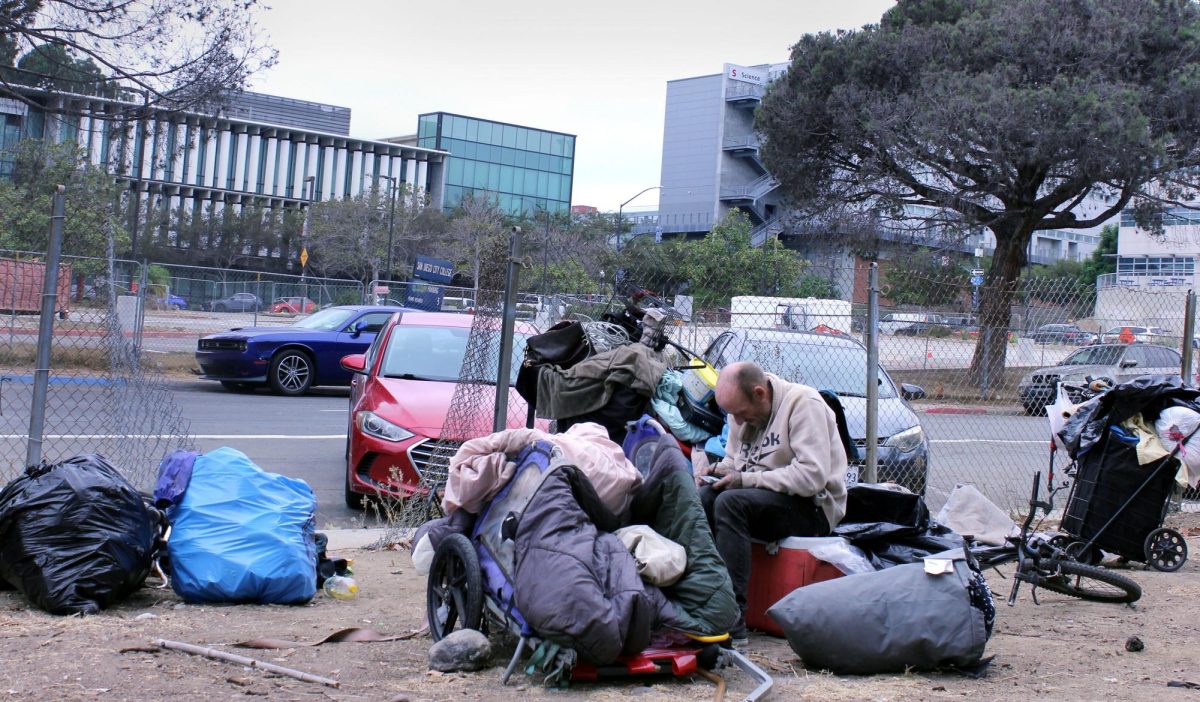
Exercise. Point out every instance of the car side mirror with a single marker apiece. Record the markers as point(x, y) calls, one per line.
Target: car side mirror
point(912, 392)
point(1128, 363)
point(355, 363)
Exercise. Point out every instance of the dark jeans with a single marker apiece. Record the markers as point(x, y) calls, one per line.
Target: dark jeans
point(739, 515)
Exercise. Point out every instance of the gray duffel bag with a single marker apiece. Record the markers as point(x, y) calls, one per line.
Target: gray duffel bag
point(890, 621)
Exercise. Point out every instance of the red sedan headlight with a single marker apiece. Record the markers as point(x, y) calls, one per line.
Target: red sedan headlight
point(372, 424)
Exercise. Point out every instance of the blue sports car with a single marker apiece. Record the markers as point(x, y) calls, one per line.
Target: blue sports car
point(294, 358)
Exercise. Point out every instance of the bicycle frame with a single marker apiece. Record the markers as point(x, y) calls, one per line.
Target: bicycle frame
point(1024, 551)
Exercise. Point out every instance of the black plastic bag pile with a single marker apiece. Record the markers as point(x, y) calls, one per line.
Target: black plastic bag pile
point(75, 537)
point(893, 528)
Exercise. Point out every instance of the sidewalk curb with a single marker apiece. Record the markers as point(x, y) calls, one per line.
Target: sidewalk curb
point(952, 409)
point(347, 539)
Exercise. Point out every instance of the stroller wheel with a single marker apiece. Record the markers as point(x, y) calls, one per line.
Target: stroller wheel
point(454, 594)
point(1165, 550)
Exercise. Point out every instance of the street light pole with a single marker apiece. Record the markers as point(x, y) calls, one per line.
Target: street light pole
point(621, 209)
point(391, 224)
point(309, 193)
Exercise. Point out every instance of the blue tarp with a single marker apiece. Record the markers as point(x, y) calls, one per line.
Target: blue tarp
point(241, 534)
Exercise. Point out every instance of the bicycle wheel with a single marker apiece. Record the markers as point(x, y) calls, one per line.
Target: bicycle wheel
point(1088, 583)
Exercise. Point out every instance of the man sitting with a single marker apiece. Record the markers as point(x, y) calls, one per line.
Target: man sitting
point(784, 471)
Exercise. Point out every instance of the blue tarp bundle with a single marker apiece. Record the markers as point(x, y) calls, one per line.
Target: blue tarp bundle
point(241, 534)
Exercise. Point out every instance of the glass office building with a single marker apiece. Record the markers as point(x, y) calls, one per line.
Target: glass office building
point(525, 170)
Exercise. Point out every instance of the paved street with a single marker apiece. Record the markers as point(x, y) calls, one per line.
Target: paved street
point(305, 438)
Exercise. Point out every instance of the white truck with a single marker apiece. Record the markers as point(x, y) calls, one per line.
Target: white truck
point(801, 313)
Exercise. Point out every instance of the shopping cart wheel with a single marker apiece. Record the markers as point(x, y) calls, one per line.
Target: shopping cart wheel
point(454, 595)
point(1165, 550)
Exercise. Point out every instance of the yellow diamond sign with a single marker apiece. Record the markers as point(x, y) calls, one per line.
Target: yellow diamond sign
point(304, 256)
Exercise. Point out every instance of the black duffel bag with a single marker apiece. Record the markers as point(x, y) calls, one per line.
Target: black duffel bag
point(564, 345)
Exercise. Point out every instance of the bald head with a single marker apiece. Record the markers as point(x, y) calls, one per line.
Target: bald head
point(744, 393)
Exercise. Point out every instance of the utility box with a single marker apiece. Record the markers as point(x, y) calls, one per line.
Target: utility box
point(21, 286)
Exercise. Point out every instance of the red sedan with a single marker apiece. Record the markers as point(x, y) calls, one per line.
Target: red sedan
point(293, 305)
point(399, 397)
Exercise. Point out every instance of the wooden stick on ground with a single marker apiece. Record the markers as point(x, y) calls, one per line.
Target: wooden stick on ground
point(717, 679)
point(243, 660)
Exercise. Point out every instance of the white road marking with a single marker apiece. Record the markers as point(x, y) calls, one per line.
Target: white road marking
point(990, 441)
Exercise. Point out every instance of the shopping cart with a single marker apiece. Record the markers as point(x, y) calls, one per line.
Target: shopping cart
point(1119, 505)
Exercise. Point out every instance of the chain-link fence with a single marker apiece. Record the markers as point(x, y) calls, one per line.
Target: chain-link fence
point(105, 395)
point(184, 303)
point(965, 366)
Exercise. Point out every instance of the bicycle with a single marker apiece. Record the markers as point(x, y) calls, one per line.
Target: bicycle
point(1047, 562)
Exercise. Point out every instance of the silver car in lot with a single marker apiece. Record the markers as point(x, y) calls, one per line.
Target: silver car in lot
point(1117, 363)
point(839, 363)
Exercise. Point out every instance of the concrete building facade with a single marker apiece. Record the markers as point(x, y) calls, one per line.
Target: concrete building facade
point(180, 162)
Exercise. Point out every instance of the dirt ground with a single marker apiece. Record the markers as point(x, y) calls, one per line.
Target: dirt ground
point(1062, 649)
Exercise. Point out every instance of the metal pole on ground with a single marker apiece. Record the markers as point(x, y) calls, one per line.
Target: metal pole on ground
point(41, 372)
point(508, 321)
point(871, 468)
point(1189, 336)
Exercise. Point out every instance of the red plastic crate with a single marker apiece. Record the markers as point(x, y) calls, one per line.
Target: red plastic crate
point(774, 577)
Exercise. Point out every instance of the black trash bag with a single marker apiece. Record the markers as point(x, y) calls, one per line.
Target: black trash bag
point(913, 548)
point(875, 512)
point(867, 503)
point(1148, 396)
point(75, 537)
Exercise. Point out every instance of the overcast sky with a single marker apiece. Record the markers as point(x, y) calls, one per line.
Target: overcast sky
point(594, 69)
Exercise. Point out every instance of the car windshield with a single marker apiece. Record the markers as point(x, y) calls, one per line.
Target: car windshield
point(1094, 356)
point(332, 319)
point(842, 369)
point(436, 353)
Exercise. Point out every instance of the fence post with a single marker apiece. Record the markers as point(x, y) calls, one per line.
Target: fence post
point(871, 469)
point(985, 367)
point(1189, 334)
point(143, 281)
point(41, 372)
point(500, 421)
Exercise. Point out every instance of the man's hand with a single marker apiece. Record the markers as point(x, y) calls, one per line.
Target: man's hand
point(730, 481)
point(702, 467)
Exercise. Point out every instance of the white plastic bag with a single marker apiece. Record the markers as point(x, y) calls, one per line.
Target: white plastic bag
point(422, 555)
point(1058, 413)
point(1172, 426)
point(839, 553)
point(660, 561)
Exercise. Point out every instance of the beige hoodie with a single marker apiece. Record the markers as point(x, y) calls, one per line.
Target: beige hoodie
point(798, 453)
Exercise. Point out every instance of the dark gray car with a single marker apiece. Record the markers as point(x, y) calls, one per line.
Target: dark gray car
point(839, 363)
point(237, 302)
point(1118, 363)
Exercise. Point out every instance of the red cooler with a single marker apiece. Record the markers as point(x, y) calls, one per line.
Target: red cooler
point(773, 577)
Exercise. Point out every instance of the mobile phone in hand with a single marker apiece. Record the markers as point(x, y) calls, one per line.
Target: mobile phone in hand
point(709, 479)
